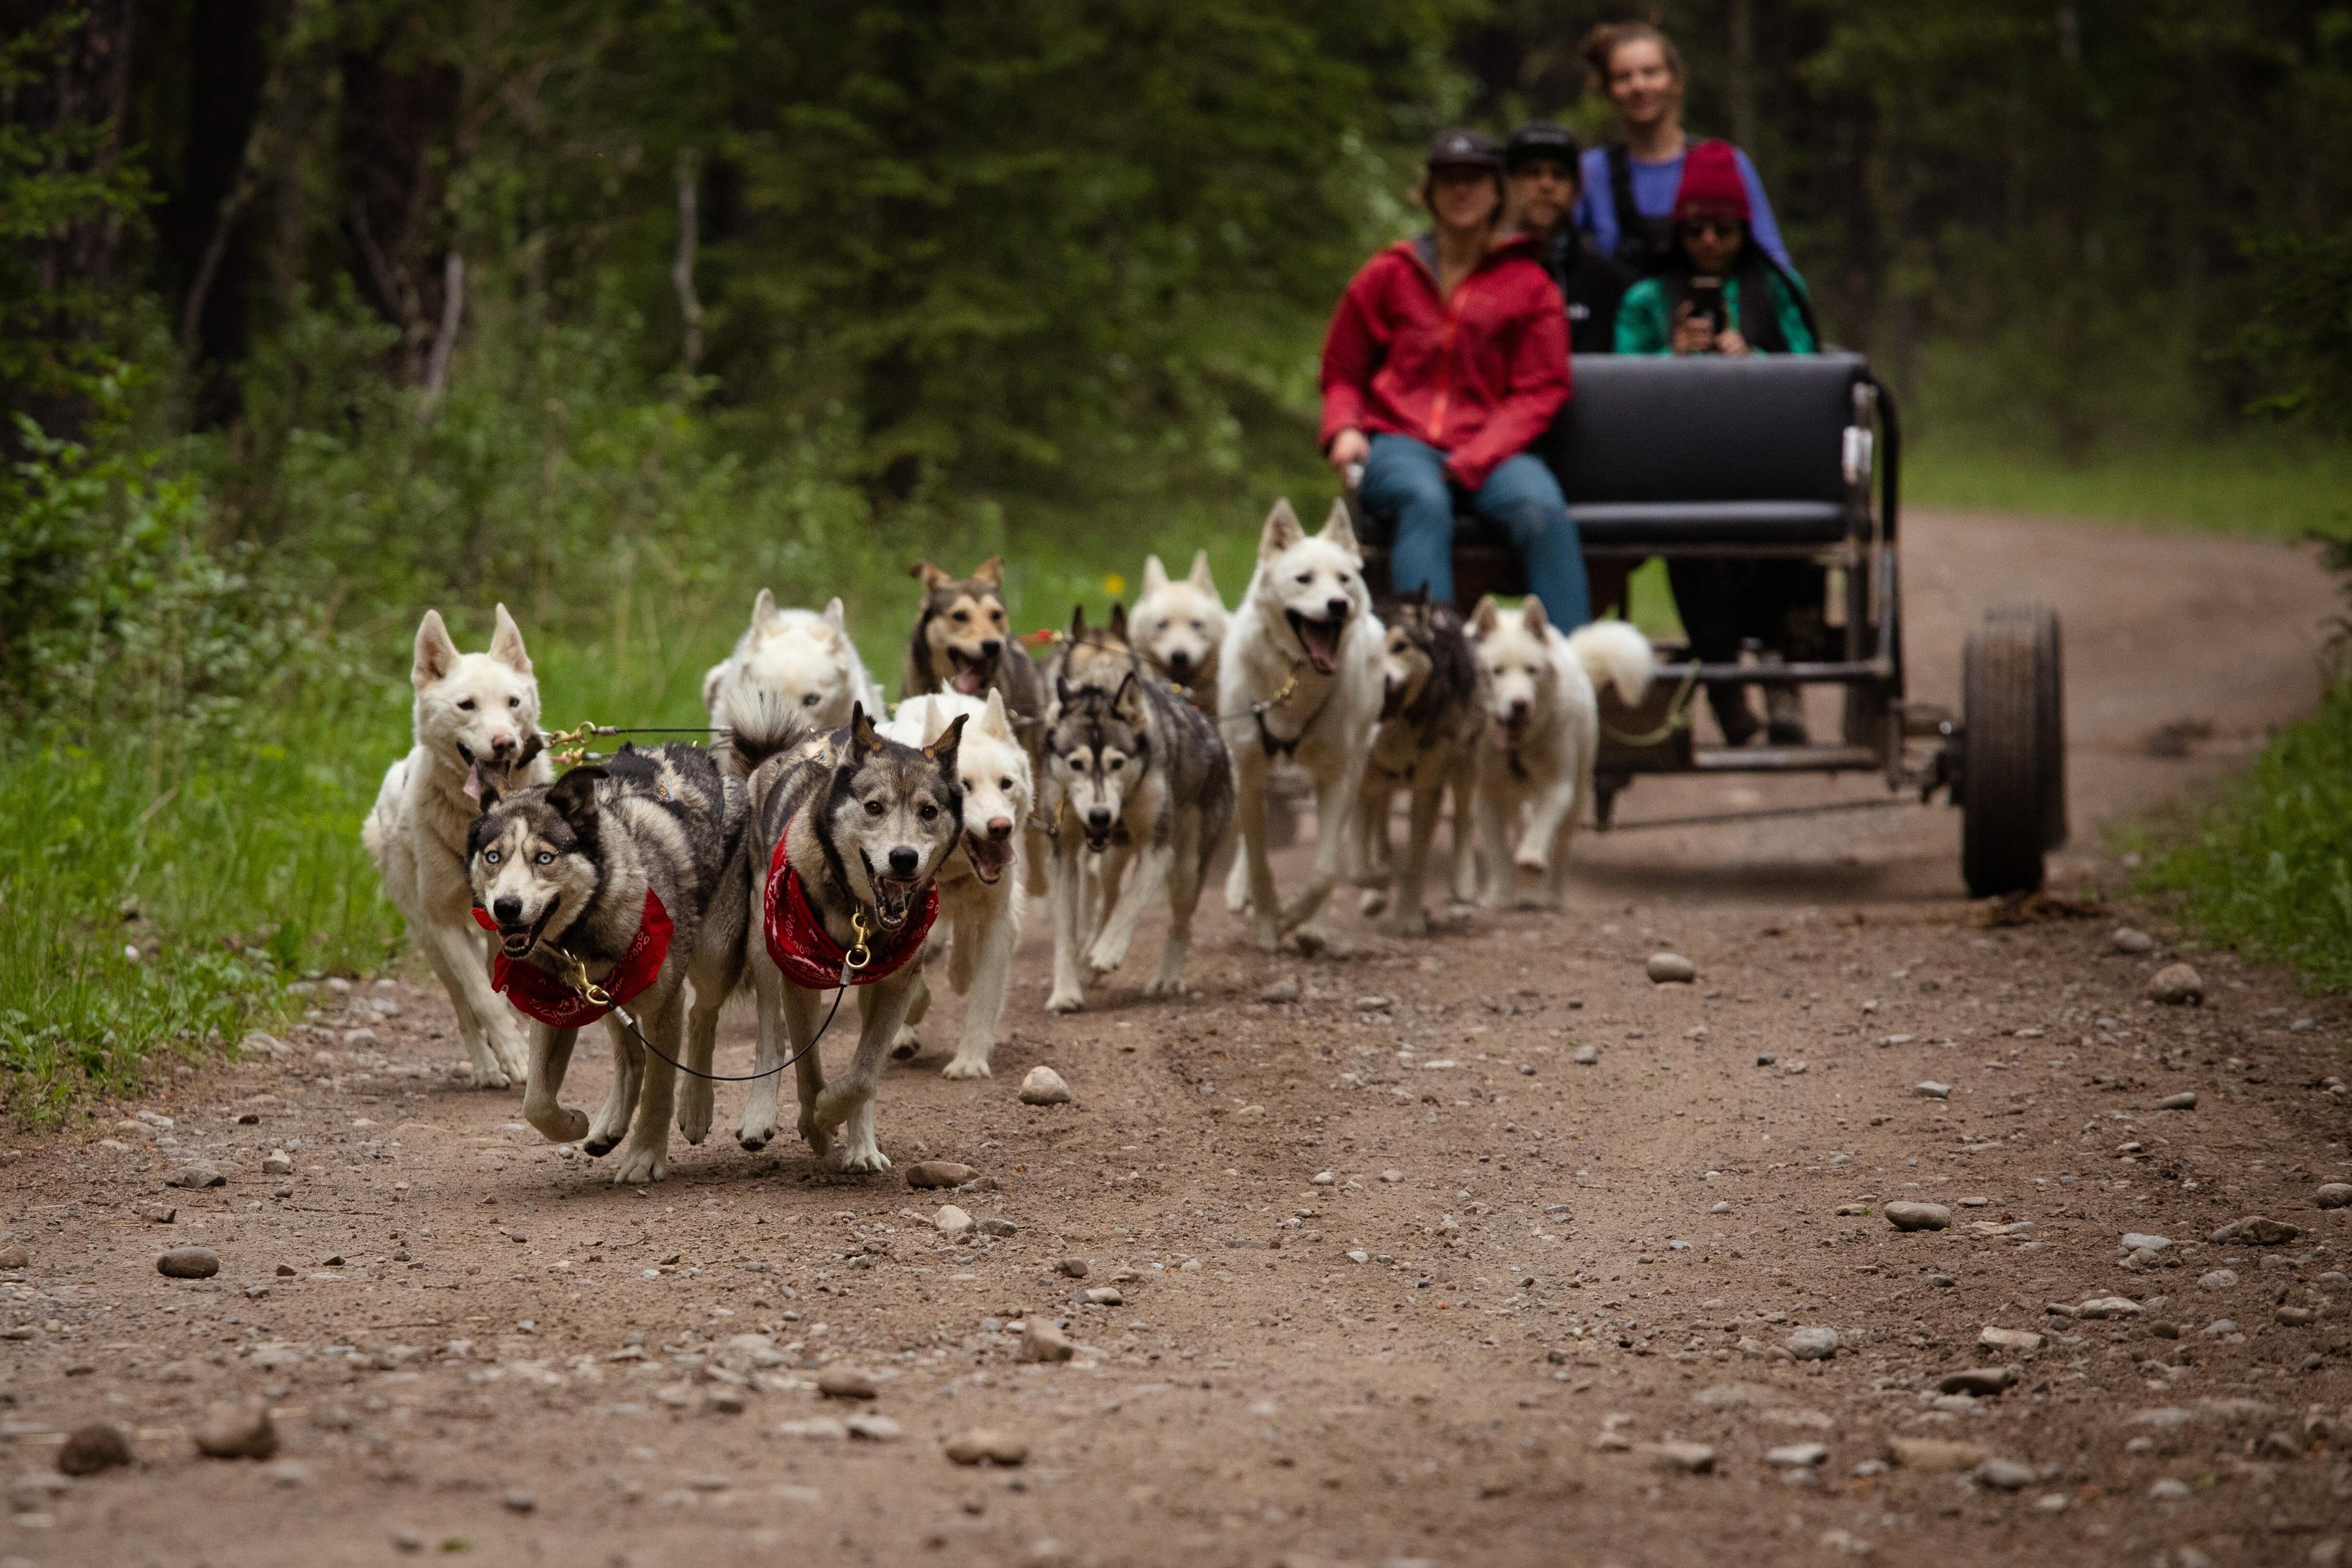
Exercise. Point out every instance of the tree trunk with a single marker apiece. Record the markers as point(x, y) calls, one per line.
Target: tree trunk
point(393, 154)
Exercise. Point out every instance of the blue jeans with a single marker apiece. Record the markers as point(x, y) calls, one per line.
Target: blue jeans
point(1405, 483)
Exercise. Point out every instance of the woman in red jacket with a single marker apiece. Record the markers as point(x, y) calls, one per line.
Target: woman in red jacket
point(1446, 359)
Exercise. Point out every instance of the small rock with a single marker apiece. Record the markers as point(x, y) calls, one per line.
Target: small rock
point(2334, 1196)
point(1285, 989)
point(1690, 1459)
point(2004, 1475)
point(236, 1431)
point(951, 1220)
point(2185, 1100)
point(277, 1163)
point(2219, 1329)
point(1375, 1002)
point(289, 1474)
point(1044, 1341)
point(188, 1263)
point(817, 1426)
point(2217, 1280)
point(1931, 1090)
point(407, 1540)
point(872, 1428)
point(2109, 1307)
point(2296, 1316)
point(196, 1176)
point(726, 1399)
point(1980, 1381)
point(992, 1225)
point(159, 1214)
point(100, 1446)
point(1795, 1455)
point(519, 1501)
point(2266, 1232)
point(2176, 985)
point(2127, 939)
point(1671, 969)
point(2136, 1241)
point(938, 1173)
point(2168, 1488)
point(1918, 1216)
point(15, 1258)
point(1102, 1296)
point(1075, 1267)
point(986, 1445)
point(846, 1382)
point(1812, 1343)
point(1586, 1056)
point(1043, 1086)
point(1935, 1454)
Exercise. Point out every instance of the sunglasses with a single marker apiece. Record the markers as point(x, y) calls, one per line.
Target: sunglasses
point(1713, 227)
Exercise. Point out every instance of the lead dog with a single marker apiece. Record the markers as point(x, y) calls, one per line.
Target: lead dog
point(628, 875)
point(849, 832)
point(1300, 675)
point(803, 658)
point(475, 721)
point(1179, 626)
point(1432, 714)
point(1545, 734)
point(979, 903)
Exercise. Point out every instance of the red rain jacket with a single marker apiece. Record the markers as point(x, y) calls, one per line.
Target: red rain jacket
point(1478, 376)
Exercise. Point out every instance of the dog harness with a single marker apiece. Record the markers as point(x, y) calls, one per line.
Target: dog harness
point(556, 1001)
point(806, 951)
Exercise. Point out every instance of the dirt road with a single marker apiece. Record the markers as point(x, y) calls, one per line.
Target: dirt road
point(1482, 1251)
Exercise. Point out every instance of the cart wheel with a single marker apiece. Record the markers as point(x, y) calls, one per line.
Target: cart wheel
point(2013, 780)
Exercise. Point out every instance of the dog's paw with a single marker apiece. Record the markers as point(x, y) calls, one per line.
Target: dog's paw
point(1533, 862)
point(1266, 930)
point(1164, 985)
point(819, 1140)
point(1406, 923)
point(570, 1126)
point(598, 1147)
point(1066, 1001)
point(479, 1077)
point(694, 1118)
point(752, 1139)
point(1374, 901)
point(641, 1167)
point(964, 1065)
point(861, 1161)
point(1311, 940)
point(904, 1047)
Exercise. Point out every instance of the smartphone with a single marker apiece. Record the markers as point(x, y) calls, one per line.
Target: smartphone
point(1706, 300)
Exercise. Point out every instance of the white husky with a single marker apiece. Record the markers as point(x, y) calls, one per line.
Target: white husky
point(803, 659)
point(1179, 626)
point(1300, 675)
point(1545, 734)
point(477, 720)
point(979, 904)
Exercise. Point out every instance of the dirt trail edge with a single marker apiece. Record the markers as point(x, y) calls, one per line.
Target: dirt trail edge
point(1482, 1249)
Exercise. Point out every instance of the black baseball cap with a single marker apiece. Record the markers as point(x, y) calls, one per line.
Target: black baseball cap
point(1541, 139)
point(1465, 150)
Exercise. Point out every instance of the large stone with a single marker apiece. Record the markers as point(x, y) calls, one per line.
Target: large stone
point(2176, 985)
point(1980, 1381)
point(2136, 1241)
point(1670, 969)
point(2185, 1100)
point(188, 1263)
point(198, 1175)
point(2109, 1307)
point(1795, 1455)
point(2334, 1196)
point(100, 1446)
point(987, 1445)
point(2266, 1232)
point(233, 1430)
point(1998, 1337)
point(846, 1382)
point(1935, 1454)
point(1812, 1343)
point(1043, 1086)
point(2127, 939)
point(2004, 1475)
point(951, 1221)
point(1918, 1216)
point(1044, 1341)
point(1690, 1459)
point(938, 1173)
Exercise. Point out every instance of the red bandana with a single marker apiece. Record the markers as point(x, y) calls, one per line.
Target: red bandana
point(537, 994)
point(806, 951)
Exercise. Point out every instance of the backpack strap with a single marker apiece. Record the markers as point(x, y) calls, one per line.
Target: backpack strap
point(1643, 243)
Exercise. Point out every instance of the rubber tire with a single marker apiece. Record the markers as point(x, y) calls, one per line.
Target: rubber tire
point(2050, 714)
point(2004, 779)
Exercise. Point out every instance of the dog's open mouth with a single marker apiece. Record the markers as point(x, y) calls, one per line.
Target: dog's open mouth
point(968, 675)
point(1320, 640)
point(1392, 699)
point(893, 901)
point(517, 941)
point(989, 856)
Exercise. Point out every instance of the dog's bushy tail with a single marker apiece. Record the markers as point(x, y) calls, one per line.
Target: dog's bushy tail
point(1614, 654)
point(750, 724)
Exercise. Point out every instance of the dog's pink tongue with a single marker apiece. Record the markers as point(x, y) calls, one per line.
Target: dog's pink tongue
point(967, 680)
point(474, 783)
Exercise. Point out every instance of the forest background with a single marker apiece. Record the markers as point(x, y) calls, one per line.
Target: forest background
point(314, 312)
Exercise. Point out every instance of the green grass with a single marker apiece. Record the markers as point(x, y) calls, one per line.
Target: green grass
point(2265, 485)
point(2268, 867)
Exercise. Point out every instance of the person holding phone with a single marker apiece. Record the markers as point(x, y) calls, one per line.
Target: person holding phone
point(1446, 360)
point(1717, 292)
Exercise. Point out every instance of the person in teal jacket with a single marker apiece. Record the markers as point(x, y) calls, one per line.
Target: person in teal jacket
point(1763, 306)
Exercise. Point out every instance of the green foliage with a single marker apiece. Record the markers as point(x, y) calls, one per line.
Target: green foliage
point(2304, 327)
point(2266, 483)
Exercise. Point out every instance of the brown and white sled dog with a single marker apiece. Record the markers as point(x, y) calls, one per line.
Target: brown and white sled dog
point(1179, 626)
point(963, 642)
point(565, 871)
point(979, 903)
point(1299, 677)
point(476, 721)
point(1545, 732)
point(1143, 797)
point(866, 824)
point(1432, 714)
point(803, 658)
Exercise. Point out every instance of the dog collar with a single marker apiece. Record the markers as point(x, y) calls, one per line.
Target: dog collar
point(550, 999)
point(806, 951)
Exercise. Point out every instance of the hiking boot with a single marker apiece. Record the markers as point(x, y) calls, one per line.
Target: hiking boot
point(1732, 714)
point(1784, 715)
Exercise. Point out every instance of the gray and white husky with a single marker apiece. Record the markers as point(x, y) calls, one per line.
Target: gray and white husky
point(563, 870)
point(1432, 713)
point(1299, 677)
point(1142, 790)
point(475, 721)
point(868, 823)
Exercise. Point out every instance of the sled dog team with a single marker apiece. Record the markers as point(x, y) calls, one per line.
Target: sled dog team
point(819, 843)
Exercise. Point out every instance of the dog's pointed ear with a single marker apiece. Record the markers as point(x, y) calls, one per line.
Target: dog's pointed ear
point(1119, 621)
point(1531, 615)
point(506, 644)
point(1485, 618)
point(990, 574)
point(1419, 597)
point(763, 611)
point(1078, 623)
point(487, 797)
point(1339, 529)
point(573, 796)
point(1155, 576)
point(836, 616)
point(1201, 578)
point(1281, 531)
point(930, 576)
point(993, 720)
point(1128, 699)
point(942, 751)
point(437, 651)
point(862, 736)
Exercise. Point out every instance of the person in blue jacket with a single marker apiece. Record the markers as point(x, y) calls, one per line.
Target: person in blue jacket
point(1628, 201)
